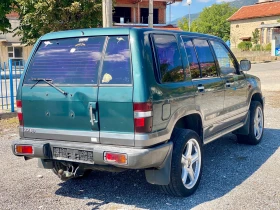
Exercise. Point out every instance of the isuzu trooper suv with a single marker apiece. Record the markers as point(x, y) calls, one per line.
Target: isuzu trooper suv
point(128, 98)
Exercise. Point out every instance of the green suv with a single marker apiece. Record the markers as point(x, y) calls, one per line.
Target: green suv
point(128, 98)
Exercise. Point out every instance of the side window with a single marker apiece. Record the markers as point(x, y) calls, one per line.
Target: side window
point(169, 58)
point(206, 59)
point(226, 61)
point(116, 65)
point(192, 58)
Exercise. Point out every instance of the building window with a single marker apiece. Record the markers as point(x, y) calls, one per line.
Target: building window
point(15, 53)
point(144, 15)
point(237, 26)
point(122, 14)
point(268, 35)
point(262, 36)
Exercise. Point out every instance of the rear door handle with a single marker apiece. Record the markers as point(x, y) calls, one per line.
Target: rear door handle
point(93, 113)
point(92, 117)
point(200, 88)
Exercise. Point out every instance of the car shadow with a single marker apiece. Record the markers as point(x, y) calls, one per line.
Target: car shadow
point(226, 165)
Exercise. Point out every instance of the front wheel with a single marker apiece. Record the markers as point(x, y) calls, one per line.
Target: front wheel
point(256, 125)
point(186, 164)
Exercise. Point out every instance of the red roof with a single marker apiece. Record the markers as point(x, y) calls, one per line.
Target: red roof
point(257, 10)
point(12, 15)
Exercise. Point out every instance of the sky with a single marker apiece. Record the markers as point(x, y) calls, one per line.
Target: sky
point(179, 9)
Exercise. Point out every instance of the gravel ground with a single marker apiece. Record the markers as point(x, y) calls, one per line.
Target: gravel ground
point(235, 176)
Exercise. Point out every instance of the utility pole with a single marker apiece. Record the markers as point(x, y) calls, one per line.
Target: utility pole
point(103, 13)
point(107, 16)
point(151, 13)
point(189, 2)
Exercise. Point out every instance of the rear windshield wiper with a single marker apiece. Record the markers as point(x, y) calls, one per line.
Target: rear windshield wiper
point(48, 81)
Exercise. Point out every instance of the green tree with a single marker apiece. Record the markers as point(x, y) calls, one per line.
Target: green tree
point(278, 21)
point(6, 6)
point(256, 36)
point(38, 17)
point(245, 45)
point(184, 24)
point(213, 20)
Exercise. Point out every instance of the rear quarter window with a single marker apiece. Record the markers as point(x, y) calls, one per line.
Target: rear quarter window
point(169, 58)
point(67, 61)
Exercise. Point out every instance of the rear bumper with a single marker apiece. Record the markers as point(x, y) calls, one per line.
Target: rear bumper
point(137, 158)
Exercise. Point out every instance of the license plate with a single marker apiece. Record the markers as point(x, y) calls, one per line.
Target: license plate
point(72, 154)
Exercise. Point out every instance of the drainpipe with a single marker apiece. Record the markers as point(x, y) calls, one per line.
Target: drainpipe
point(151, 13)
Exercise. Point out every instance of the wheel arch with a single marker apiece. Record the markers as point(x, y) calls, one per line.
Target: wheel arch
point(191, 121)
point(257, 96)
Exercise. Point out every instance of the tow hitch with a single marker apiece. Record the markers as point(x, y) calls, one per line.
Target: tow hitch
point(71, 172)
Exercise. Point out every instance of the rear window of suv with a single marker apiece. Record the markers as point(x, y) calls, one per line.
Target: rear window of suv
point(78, 60)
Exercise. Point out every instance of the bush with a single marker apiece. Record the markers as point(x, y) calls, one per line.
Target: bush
point(245, 45)
point(268, 47)
point(257, 47)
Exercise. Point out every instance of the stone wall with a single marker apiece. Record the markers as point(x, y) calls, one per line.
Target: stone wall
point(244, 28)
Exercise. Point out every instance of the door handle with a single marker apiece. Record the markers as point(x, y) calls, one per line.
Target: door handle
point(92, 113)
point(200, 88)
point(92, 117)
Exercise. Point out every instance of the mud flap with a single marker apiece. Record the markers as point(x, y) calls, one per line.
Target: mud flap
point(45, 164)
point(161, 176)
point(244, 130)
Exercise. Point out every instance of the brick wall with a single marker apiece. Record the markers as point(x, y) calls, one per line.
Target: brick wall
point(244, 28)
point(161, 6)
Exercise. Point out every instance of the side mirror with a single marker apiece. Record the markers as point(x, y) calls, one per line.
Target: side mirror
point(245, 65)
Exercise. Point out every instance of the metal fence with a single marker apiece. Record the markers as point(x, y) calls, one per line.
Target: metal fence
point(9, 81)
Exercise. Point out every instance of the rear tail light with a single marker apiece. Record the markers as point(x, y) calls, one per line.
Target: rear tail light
point(115, 158)
point(24, 149)
point(19, 112)
point(143, 120)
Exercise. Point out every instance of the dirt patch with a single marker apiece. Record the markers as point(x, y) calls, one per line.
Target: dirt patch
point(272, 98)
point(5, 114)
point(8, 125)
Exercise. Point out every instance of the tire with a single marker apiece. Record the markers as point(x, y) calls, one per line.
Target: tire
point(58, 165)
point(256, 125)
point(181, 163)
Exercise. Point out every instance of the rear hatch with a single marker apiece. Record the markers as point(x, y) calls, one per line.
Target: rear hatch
point(61, 96)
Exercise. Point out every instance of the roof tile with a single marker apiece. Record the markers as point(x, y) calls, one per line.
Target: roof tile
point(12, 15)
point(257, 10)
